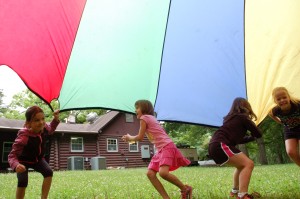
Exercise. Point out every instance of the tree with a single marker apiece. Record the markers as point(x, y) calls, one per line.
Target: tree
point(192, 135)
point(82, 115)
point(268, 149)
point(262, 158)
point(274, 141)
point(23, 100)
point(1, 96)
point(2, 107)
point(243, 148)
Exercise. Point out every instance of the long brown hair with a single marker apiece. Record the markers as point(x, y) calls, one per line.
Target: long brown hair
point(240, 106)
point(145, 106)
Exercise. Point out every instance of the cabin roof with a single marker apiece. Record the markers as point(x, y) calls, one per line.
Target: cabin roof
point(92, 128)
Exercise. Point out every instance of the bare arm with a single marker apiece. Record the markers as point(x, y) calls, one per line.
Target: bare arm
point(276, 119)
point(54, 123)
point(139, 136)
point(56, 115)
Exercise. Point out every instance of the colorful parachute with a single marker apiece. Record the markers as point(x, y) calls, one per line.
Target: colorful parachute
point(191, 58)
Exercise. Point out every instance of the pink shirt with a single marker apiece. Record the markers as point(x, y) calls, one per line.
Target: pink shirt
point(155, 133)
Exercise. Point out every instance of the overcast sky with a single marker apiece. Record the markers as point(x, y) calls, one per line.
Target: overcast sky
point(10, 83)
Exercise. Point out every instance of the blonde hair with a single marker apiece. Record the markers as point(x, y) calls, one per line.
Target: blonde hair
point(275, 90)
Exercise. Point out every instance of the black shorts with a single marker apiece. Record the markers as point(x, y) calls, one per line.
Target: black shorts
point(221, 152)
point(41, 167)
point(292, 134)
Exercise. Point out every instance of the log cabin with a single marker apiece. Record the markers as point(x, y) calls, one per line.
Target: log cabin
point(96, 145)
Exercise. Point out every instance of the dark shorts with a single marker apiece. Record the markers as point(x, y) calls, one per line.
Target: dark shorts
point(41, 167)
point(291, 134)
point(220, 152)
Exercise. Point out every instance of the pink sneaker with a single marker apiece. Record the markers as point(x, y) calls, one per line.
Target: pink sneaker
point(187, 193)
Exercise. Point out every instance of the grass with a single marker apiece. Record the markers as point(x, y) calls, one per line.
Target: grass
point(274, 181)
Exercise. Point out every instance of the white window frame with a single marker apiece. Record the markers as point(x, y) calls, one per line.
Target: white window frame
point(82, 145)
point(107, 144)
point(133, 144)
point(129, 118)
point(3, 151)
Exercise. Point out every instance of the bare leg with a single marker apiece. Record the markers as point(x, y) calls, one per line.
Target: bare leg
point(165, 174)
point(46, 187)
point(157, 184)
point(20, 193)
point(244, 166)
point(292, 149)
point(236, 175)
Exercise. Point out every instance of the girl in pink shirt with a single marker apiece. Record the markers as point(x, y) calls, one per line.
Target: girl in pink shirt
point(168, 157)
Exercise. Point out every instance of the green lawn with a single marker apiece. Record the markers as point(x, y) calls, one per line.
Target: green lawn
point(274, 181)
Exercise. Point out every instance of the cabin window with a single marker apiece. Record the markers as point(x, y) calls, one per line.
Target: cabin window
point(129, 117)
point(76, 144)
point(7, 146)
point(134, 147)
point(112, 145)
